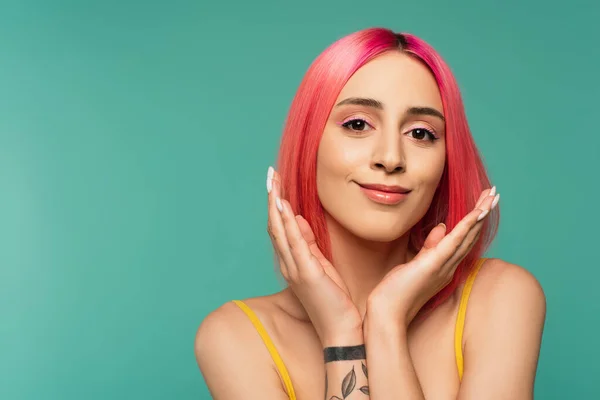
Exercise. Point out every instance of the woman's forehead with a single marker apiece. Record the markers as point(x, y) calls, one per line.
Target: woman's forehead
point(396, 80)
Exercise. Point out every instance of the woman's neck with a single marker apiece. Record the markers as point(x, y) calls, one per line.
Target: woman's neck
point(362, 264)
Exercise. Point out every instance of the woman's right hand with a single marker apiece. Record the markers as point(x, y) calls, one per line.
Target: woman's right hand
point(311, 277)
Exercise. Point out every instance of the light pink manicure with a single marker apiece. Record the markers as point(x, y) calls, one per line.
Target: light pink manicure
point(482, 215)
point(496, 200)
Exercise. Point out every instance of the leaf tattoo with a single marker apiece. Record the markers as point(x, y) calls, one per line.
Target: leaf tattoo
point(348, 383)
point(365, 389)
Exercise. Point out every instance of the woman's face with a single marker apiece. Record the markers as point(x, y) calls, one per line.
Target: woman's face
point(386, 128)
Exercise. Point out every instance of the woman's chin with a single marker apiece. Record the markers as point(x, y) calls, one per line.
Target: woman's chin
point(370, 228)
point(379, 233)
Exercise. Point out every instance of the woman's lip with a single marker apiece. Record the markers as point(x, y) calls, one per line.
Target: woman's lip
point(379, 196)
point(384, 188)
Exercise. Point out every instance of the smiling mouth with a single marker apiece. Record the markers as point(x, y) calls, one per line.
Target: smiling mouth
point(384, 194)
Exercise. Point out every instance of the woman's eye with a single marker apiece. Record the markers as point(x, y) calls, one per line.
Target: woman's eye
point(423, 134)
point(356, 125)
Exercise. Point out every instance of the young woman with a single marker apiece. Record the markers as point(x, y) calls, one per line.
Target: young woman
point(379, 213)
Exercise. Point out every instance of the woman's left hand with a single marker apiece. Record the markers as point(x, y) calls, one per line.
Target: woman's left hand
point(407, 287)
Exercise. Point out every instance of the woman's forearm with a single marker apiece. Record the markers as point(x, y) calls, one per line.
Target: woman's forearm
point(345, 368)
point(390, 367)
point(345, 377)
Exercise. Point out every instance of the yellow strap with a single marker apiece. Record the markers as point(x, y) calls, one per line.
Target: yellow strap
point(283, 373)
point(460, 320)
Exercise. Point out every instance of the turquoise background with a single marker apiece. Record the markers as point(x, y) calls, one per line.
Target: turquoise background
point(134, 142)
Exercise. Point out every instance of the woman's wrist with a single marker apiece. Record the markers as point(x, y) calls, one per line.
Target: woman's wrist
point(378, 324)
point(344, 339)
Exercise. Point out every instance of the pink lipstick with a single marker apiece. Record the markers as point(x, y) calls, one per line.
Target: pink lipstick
point(384, 194)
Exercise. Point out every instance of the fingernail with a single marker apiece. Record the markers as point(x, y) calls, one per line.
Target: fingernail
point(493, 191)
point(482, 215)
point(279, 205)
point(270, 173)
point(496, 200)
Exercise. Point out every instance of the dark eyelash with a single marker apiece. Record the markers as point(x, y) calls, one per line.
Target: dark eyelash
point(346, 123)
point(429, 133)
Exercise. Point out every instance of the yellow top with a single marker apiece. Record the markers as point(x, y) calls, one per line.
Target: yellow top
point(462, 313)
point(458, 333)
point(283, 373)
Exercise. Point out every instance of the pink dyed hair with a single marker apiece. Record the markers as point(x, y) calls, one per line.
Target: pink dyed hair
point(464, 177)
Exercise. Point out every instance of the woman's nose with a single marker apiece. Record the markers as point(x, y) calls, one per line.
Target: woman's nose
point(389, 154)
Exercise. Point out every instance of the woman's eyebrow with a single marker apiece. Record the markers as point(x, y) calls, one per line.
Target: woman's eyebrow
point(361, 101)
point(367, 102)
point(426, 111)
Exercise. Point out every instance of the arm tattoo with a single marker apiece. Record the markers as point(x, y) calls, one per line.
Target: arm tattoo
point(364, 389)
point(345, 353)
point(348, 384)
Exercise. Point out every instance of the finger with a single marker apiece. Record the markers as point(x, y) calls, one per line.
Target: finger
point(473, 236)
point(482, 197)
point(278, 236)
point(270, 173)
point(311, 240)
point(309, 237)
point(463, 250)
point(452, 241)
point(306, 263)
point(435, 236)
point(270, 201)
point(276, 178)
point(455, 246)
point(271, 206)
point(488, 192)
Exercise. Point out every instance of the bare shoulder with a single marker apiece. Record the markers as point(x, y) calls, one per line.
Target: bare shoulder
point(501, 283)
point(505, 321)
point(504, 292)
point(231, 355)
point(228, 326)
point(223, 326)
